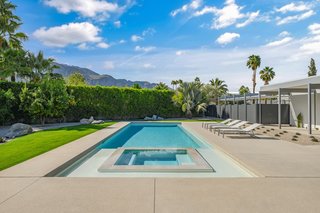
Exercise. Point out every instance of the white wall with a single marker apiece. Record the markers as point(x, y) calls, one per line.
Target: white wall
point(299, 104)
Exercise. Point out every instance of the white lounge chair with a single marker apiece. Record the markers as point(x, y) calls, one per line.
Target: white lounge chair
point(205, 124)
point(212, 126)
point(248, 130)
point(236, 126)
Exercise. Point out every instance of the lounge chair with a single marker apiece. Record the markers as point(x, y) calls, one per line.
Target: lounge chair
point(205, 124)
point(212, 126)
point(248, 130)
point(236, 126)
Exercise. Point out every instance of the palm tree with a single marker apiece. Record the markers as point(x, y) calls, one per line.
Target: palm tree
point(174, 83)
point(161, 86)
point(254, 61)
point(189, 97)
point(15, 64)
point(267, 74)
point(244, 90)
point(41, 66)
point(9, 24)
point(219, 88)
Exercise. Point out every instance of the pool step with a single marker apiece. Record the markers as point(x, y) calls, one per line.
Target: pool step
point(184, 160)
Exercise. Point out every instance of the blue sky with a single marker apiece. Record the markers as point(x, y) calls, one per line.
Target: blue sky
point(162, 40)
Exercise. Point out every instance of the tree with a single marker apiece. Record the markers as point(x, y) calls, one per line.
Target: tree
point(219, 88)
point(9, 24)
point(77, 79)
point(136, 86)
point(189, 97)
point(267, 74)
point(15, 64)
point(9, 37)
point(41, 66)
point(312, 68)
point(198, 82)
point(49, 99)
point(254, 61)
point(174, 83)
point(7, 100)
point(244, 90)
point(161, 86)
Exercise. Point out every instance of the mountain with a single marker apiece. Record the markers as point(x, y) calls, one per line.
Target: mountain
point(94, 78)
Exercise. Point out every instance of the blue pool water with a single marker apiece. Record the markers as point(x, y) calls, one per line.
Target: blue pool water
point(155, 157)
point(151, 135)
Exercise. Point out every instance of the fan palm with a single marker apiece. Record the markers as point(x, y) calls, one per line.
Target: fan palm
point(254, 61)
point(267, 74)
point(244, 90)
point(189, 97)
point(219, 88)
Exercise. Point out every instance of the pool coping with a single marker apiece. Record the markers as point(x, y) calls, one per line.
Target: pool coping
point(200, 163)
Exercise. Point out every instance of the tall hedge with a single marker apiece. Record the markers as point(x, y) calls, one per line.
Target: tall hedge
point(109, 102)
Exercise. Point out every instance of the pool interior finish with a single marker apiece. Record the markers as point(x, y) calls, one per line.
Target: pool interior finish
point(169, 142)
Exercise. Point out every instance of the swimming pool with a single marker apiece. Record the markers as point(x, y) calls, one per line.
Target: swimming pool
point(151, 149)
point(151, 135)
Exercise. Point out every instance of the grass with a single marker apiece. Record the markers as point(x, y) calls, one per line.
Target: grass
point(29, 146)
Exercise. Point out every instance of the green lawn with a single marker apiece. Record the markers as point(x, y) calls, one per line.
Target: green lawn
point(29, 146)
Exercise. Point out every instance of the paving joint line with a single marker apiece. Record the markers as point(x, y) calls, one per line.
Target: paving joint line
point(24, 188)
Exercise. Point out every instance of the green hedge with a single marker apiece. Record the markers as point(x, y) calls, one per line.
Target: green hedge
point(109, 102)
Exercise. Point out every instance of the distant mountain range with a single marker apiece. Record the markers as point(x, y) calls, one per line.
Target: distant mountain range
point(94, 78)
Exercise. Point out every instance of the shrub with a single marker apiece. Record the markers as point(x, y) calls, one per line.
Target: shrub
point(105, 102)
point(7, 100)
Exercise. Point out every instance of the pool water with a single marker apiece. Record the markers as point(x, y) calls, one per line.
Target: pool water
point(155, 157)
point(150, 149)
point(151, 135)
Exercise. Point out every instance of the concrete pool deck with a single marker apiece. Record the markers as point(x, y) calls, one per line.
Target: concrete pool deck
point(290, 182)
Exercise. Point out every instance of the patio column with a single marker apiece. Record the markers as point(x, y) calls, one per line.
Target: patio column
point(315, 108)
point(309, 110)
point(234, 103)
point(245, 107)
point(218, 106)
point(279, 108)
point(260, 108)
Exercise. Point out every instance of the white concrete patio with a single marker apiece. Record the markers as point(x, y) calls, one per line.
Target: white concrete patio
point(289, 182)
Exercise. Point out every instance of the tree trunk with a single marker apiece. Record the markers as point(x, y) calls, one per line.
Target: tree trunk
point(254, 81)
point(13, 77)
point(43, 120)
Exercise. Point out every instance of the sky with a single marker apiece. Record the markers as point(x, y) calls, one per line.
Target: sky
point(164, 40)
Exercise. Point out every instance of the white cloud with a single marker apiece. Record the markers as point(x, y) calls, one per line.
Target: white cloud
point(136, 38)
point(229, 15)
point(108, 65)
point(103, 45)
point(280, 42)
point(227, 38)
point(149, 66)
point(295, 18)
point(314, 28)
point(83, 46)
point(193, 5)
point(87, 8)
point(284, 34)
point(148, 32)
point(72, 33)
point(122, 41)
point(144, 49)
point(117, 24)
point(252, 18)
point(294, 7)
point(180, 52)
